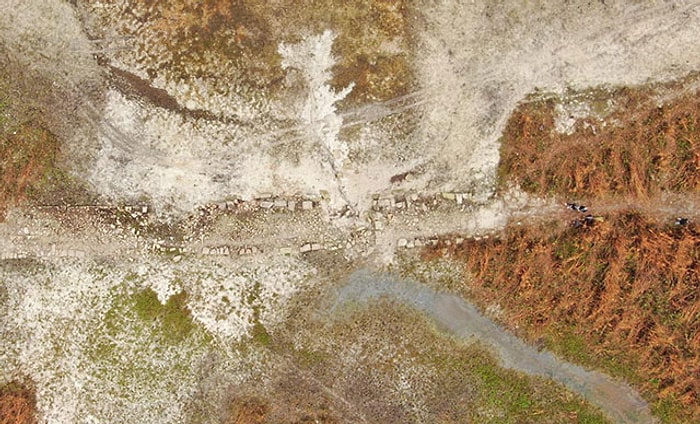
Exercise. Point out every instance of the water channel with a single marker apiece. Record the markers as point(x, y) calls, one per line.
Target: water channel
point(617, 400)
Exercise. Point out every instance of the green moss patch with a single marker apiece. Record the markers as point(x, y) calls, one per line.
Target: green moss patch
point(398, 361)
point(172, 319)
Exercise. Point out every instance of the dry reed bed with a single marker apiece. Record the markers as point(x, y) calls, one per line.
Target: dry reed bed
point(638, 148)
point(630, 288)
point(623, 293)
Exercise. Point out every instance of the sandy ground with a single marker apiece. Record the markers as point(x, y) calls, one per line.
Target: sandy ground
point(171, 147)
point(474, 63)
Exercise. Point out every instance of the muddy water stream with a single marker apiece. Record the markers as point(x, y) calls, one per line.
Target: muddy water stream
point(617, 400)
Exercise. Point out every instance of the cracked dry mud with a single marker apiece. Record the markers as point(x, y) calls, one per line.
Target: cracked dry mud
point(252, 158)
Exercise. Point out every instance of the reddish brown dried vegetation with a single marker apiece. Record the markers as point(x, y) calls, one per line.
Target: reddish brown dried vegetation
point(196, 31)
point(247, 411)
point(364, 29)
point(629, 288)
point(17, 405)
point(373, 40)
point(624, 293)
point(641, 150)
point(25, 155)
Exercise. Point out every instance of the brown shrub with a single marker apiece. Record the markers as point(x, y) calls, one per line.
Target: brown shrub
point(17, 405)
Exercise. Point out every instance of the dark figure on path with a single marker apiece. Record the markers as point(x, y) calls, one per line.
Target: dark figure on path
point(576, 207)
point(681, 221)
point(587, 221)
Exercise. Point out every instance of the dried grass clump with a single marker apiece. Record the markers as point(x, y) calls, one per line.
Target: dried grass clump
point(638, 149)
point(17, 405)
point(629, 288)
point(247, 411)
point(25, 156)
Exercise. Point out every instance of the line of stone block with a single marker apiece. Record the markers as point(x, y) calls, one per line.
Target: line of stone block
point(420, 201)
point(135, 211)
point(270, 202)
point(53, 253)
point(227, 250)
point(417, 242)
point(262, 202)
point(265, 202)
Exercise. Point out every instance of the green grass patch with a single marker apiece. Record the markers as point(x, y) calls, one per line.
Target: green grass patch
point(311, 357)
point(259, 334)
point(172, 319)
point(506, 396)
point(143, 343)
point(671, 411)
point(455, 382)
point(59, 187)
point(565, 343)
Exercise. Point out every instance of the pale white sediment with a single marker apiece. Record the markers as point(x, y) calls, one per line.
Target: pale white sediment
point(313, 57)
point(66, 326)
